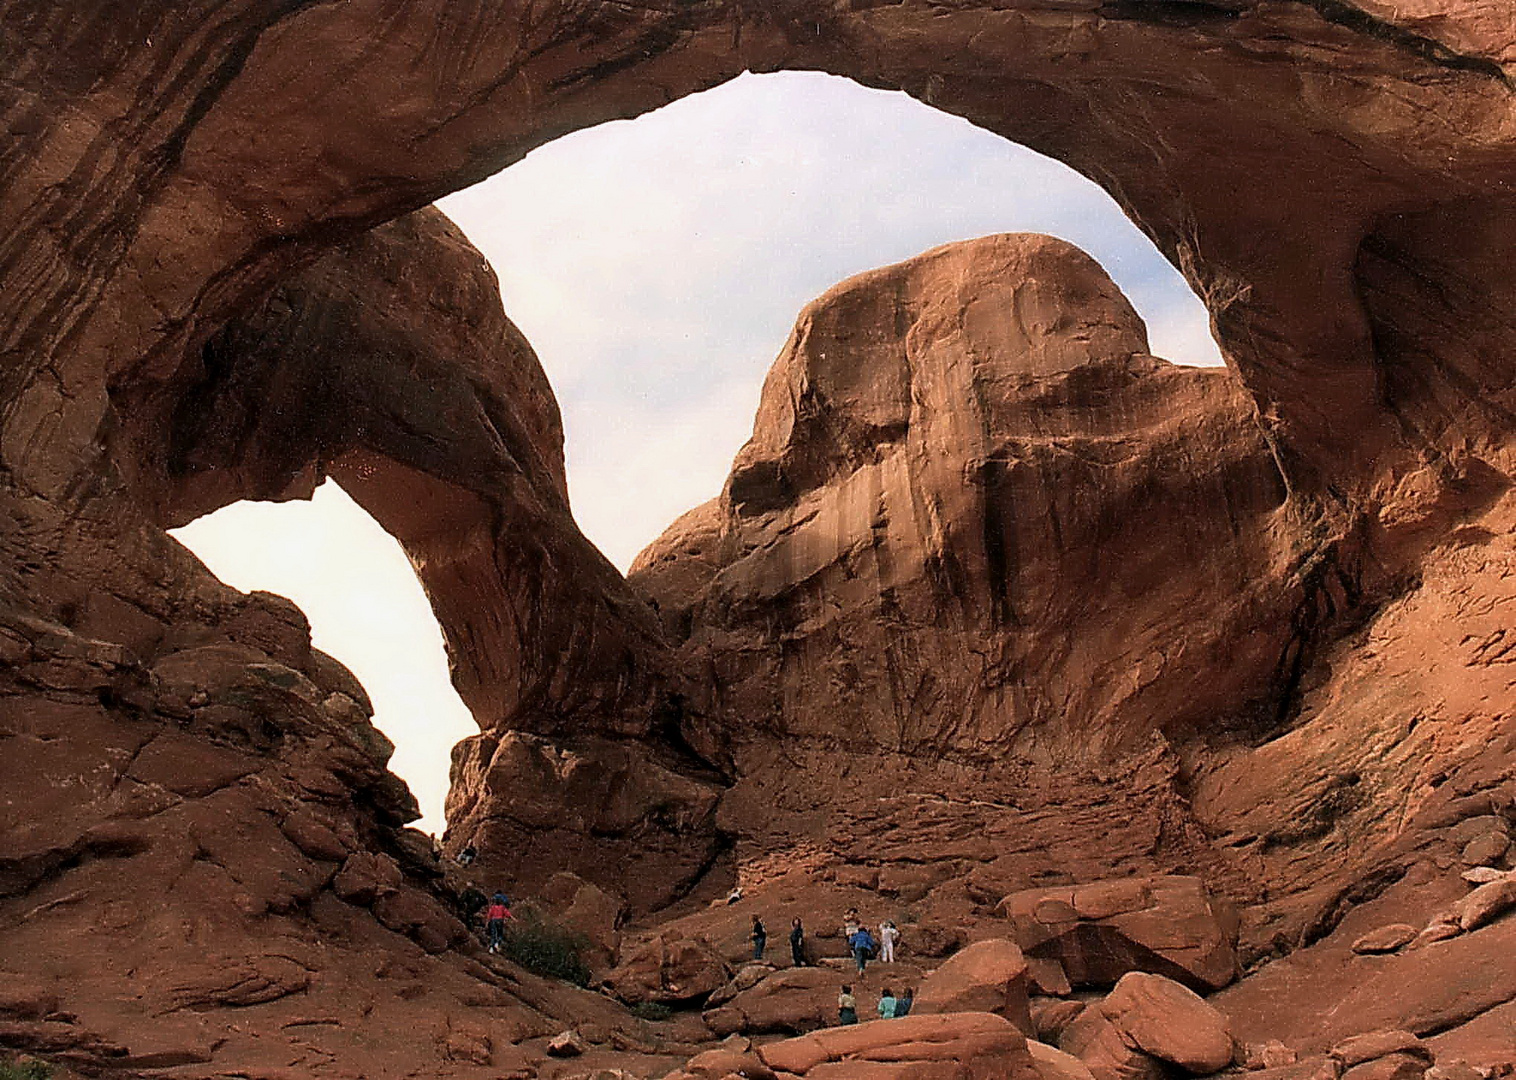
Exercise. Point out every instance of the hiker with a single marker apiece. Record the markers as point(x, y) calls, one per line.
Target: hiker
point(904, 1002)
point(472, 901)
point(467, 856)
point(862, 943)
point(888, 1006)
point(850, 924)
point(888, 935)
point(735, 895)
point(494, 920)
point(797, 943)
point(760, 938)
point(847, 1007)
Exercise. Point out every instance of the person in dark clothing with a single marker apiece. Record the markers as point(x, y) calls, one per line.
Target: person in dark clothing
point(472, 901)
point(797, 943)
point(760, 938)
point(847, 1007)
point(862, 944)
point(905, 1001)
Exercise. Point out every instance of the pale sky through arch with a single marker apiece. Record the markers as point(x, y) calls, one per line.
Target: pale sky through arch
point(657, 265)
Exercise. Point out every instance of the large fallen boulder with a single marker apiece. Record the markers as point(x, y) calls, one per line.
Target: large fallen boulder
point(584, 908)
point(987, 976)
point(791, 1001)
point(1154, 1018)
point(761, 1000)
point(668, 968)
point(982, 1046)
point(1168, 926)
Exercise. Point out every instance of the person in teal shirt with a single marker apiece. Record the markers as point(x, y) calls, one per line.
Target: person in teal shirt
point(887, 1004)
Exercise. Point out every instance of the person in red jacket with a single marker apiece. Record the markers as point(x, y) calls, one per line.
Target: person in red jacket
point(494, 920)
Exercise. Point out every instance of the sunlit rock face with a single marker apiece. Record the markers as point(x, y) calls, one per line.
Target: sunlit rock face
point(976, 518)
point(1333, 179)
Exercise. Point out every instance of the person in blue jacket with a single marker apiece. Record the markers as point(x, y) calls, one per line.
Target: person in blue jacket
point(862, 944)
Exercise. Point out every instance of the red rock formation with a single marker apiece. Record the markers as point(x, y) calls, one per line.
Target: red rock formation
point(391, 367)
point(1332, 177)
point(197, 814)
point(952, 533)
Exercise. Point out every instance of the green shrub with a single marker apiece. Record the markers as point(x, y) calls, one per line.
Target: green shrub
point(25, 1070)
point(651, 1010)
point(542, 946)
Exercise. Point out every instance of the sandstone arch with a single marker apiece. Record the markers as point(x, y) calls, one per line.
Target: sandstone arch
point(1236, 134)
point(1333, 179)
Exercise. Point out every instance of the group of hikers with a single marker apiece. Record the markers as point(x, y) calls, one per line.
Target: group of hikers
point(863, 946)
point(890, 1007)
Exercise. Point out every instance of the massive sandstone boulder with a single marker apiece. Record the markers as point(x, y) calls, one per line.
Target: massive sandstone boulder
point(988, 976)
point(1101, 930)
point(952, 530)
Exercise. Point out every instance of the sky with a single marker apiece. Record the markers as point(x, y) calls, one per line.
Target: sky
point(657, 266)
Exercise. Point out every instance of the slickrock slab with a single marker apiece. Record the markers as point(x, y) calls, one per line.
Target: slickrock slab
point(980, 1042)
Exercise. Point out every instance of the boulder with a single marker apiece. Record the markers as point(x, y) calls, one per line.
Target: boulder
point(1377, 1044)
point(1440, 928)
point(567, 1044)
point(1485, 903)
point(670, 967)
point(988, 976)
point(1102, 1048)
point(984, 1046)
point(722, 1062)
point(1170, 1022)
point(1386, 939)
point(1098, 932)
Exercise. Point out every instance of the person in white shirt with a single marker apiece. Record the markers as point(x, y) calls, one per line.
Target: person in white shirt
point(888, 935)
